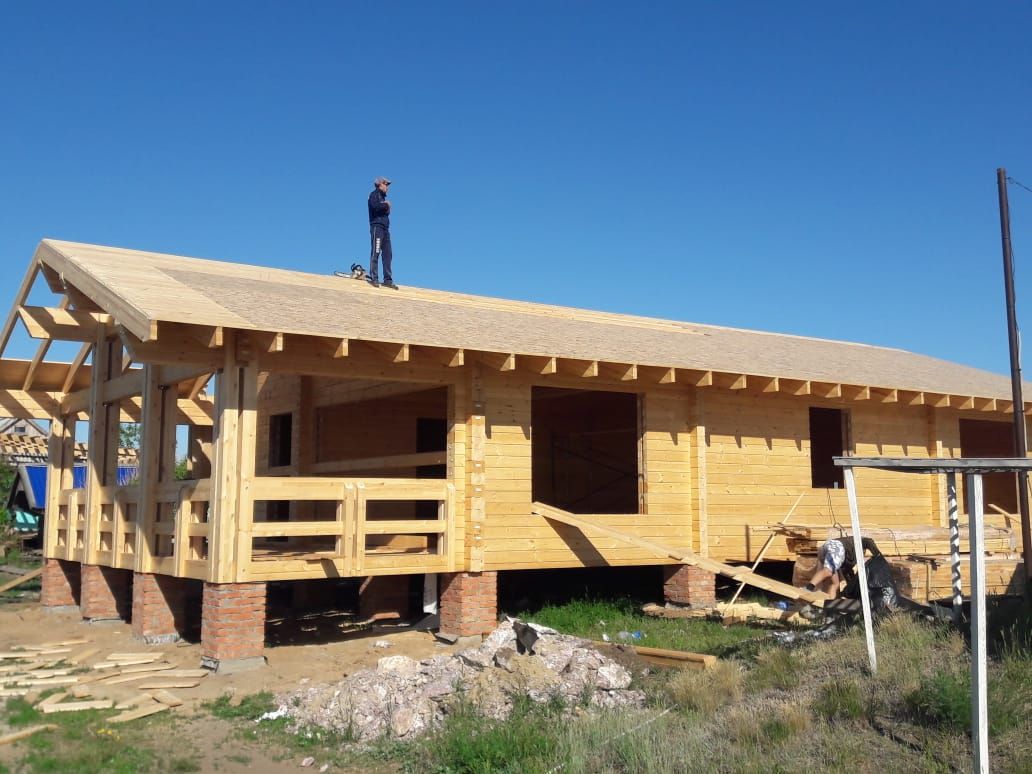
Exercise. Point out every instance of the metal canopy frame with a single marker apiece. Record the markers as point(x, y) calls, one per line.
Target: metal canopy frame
point(972, 469)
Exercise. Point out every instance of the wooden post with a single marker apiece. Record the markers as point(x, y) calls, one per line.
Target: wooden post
point(861, 567)
point(57, 466)
point(150, 462)
point(979, 676)
point(766, 545)
point(954, 521)
point(225, 476)
point(243, 520)
point(96, 452)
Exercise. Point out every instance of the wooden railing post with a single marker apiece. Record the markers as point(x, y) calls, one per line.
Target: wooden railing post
point(97, 450)
point(150, 461)
point(59, 474)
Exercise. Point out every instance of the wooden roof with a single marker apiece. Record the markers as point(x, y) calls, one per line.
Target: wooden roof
point(142, 289)
point(29, 448)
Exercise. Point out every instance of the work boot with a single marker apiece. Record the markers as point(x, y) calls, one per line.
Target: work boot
point(390, 284)
point(373, 282)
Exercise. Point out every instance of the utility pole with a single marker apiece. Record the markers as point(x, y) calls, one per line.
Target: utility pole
point(1020, 438)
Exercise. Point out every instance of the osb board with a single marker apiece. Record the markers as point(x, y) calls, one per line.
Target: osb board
point(144, 287)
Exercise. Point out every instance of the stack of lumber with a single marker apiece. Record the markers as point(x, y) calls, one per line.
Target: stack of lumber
point(137, 683)
point(927, 578)
point(893, 541)
point(740, 612)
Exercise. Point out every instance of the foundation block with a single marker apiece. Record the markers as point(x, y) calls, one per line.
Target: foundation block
point(61, 584)
point(469, 603)
point(159, 607)
point(685, 585)
point(106, 593)
point(233, 626)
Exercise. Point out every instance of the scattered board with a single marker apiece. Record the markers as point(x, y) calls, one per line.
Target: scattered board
point(78, 706)
point(25, 733)
point(136, 714)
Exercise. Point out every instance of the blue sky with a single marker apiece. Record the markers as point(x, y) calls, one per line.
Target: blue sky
point(824, 169)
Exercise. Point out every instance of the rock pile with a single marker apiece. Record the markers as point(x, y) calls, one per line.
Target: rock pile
point(404, 698)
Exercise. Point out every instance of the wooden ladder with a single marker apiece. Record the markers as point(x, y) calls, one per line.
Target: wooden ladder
point(740, 574)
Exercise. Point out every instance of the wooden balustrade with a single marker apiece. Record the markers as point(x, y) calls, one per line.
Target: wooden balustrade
point(402, 545)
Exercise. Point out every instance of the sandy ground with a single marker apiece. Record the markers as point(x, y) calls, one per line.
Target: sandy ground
point(211, 739)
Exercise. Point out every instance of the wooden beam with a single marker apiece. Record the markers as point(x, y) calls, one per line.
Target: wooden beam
point(826, 389)
point(937, 400)
point(911, 398)
point(962, 402)
point(19, 299)
point(64, 324)
point(392, 462)
point(731, 381)
point(198, 386)
point(624, 372)
point(985, 404)
point(856, 392)
point(697, 378)
point(160, 352)
point(577, 367)
point(396, 353)
point(498, 361)
point(446, 356)
point(41, 352)
point(29, 405)
point(657, 375)
point(883, 395)
point(267, 341)
point(214, 336)
point(769, 384)
point(75, 365)
point(538, 365)
point(795, 386)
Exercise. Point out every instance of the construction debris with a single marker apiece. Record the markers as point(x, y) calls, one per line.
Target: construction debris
point(405, 698)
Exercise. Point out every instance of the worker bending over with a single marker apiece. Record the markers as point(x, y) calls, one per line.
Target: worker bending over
point(836, 562)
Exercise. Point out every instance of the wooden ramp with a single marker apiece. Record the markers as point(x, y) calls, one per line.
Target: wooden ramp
point(740, 574)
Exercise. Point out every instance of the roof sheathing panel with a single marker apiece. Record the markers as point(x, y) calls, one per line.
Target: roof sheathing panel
point(189, 290)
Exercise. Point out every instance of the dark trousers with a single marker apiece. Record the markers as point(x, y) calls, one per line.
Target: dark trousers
point(380, 244)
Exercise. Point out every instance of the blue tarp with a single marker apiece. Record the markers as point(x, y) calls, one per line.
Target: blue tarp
point(37, 475)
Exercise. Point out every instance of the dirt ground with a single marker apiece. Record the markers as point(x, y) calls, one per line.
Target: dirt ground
point(210, 739)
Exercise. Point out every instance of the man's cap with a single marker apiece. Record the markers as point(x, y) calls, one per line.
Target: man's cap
point(381, 179)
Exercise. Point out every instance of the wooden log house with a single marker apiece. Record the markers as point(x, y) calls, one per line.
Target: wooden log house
point(337, 430)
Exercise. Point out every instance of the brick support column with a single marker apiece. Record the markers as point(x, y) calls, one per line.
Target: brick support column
point(106, 593)
point(159, 607)
point(233, 626)
point(384, 597)
point(61, 584)
point(685, 585)
point(469, 602)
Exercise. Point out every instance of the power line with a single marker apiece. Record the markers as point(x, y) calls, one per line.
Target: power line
point(1012, 181)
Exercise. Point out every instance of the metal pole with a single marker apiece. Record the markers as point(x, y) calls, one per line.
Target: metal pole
point(1020, 438)
point(958, 589)
point(979, 676)
point(861, 568)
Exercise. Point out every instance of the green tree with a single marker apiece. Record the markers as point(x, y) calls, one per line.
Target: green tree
point(129, 435)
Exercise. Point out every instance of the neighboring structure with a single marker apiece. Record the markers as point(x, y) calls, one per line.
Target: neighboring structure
point(360, 433)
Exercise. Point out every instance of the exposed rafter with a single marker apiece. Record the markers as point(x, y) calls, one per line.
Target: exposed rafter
point(64, 324)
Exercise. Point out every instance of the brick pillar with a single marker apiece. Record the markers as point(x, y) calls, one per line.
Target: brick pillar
point(385, 597)
point(159, 607)
point(685, 585)
point(61, 584)
point(232, 626)
point(469, 602)
point(106, 593)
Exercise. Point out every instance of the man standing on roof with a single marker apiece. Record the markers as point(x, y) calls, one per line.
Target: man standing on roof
point(380, 233)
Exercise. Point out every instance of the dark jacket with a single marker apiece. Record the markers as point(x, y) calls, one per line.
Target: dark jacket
point(379, 211)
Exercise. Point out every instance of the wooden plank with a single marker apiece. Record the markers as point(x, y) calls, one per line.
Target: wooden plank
point(64, 324)
point(167, 698)
point(680, 555)
point(393, 461)
point(19, 299)
point(78, 706)
point(76, 365)
point(25, 733)
point(142, 712)
point(170, 683)
point(21, 579)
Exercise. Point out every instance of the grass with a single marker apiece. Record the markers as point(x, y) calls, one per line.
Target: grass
point(593, 618)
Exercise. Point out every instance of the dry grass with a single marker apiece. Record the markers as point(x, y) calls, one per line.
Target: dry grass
point(707, 690)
